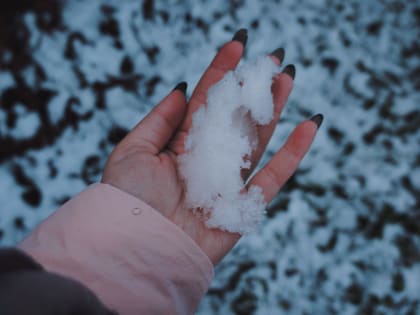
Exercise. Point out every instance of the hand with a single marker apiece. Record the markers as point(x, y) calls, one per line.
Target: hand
point(144, 164)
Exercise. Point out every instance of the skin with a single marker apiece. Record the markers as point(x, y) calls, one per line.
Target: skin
point(144, 164)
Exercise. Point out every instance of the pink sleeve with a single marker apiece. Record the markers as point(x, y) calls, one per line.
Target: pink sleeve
point(133, 258)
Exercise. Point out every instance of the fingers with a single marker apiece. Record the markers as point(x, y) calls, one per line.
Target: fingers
point(284, 163)
point(155, 131)
point(281, 88)
point(226, 59)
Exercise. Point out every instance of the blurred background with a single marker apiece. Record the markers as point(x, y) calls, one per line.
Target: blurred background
point(342, 237)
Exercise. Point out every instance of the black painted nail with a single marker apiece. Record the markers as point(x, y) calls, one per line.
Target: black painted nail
point(318, 118)
point(241, 36)
point(290, 70)
point(181, 87)
point(278, 53)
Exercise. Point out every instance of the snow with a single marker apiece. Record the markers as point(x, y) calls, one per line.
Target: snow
point(223, 134)
point(26, 124)
point(356, 62)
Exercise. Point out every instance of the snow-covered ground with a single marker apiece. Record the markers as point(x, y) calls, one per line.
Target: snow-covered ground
point(343, 236)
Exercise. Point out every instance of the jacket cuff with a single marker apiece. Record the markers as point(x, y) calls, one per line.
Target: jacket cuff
point(126, 252)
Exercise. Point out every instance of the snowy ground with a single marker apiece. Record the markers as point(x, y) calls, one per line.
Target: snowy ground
point(343, 236)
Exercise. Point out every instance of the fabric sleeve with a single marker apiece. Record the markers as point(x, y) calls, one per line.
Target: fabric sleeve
point(133, 258)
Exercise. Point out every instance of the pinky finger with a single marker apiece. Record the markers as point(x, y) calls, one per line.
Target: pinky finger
point(285, 162)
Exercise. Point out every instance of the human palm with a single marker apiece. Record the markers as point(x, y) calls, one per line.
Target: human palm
point(155, 180)
point(145, 163)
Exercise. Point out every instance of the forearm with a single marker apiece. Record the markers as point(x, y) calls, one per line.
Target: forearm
point(133, 258)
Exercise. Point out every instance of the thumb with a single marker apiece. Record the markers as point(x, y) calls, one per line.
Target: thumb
point(156, 129)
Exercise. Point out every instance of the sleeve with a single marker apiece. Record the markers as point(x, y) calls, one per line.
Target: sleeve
point(26, 288)
point(133, 258)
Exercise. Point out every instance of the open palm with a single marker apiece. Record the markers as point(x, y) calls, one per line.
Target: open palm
point(145, 165)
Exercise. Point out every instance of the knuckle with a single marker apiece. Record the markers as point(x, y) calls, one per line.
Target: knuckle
point(272, 175)
point(293, 156)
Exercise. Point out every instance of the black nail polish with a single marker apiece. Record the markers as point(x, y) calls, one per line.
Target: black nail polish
point(278, 53)
point(290, 70)
point(181, 87)
point(241, 36)
point(317, 119)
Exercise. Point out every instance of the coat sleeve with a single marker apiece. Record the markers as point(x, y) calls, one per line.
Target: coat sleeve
point(133, 258)
point(26, 288)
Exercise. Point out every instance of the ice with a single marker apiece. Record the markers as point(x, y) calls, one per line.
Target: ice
point(222, 136)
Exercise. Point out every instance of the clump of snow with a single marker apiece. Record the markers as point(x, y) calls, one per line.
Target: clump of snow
point(222, 136)
point(26, 125)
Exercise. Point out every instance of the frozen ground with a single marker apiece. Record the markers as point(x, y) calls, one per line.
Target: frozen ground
point(343, 236)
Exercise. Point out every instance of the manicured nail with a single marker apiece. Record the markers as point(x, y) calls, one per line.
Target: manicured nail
point(290, 70)
point(278, 53)
point(241, 36)
point(181, 87)
point(317, 119)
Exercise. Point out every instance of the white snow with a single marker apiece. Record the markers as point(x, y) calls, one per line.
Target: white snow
point(222, 136)
point(309, 31)
point(26, 125)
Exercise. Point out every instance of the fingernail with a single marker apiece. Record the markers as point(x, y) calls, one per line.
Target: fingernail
point(278, 53)
point(241, 36)
point(317, 119)
point(290, 70)
point(181, 87)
